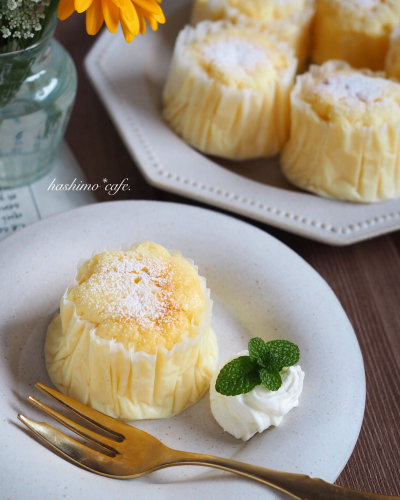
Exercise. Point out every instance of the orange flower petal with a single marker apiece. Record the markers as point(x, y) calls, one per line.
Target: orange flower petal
point(153, 24)
point(129, 11)
point(82, 5)
point(118, 3)
point(65, 9)
point(148, 5)
point(133, 25)
point(151, 19)
point(111, 15)
point(128, 35)
point(160, 18)
point(94, 17)
point(142, 20)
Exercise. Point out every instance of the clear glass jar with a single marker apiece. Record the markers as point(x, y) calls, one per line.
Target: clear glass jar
point(37, 92)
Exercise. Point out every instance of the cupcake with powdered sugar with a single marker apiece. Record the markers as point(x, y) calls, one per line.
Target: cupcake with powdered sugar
point(288, 20)
point(227, 92)
point(133, 337)
point(345, 133)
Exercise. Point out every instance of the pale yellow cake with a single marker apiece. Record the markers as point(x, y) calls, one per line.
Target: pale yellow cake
point(227, 92)
point(345, 134)
point(133, 336)
point(288, 20)
point(392, 63)
point(356, 31)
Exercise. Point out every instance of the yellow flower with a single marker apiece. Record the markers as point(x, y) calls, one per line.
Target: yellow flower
point(132, 14)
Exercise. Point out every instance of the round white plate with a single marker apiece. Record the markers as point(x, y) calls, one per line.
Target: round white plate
point(259, 288)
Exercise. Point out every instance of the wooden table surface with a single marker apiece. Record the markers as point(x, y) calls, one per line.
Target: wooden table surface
point(365, 277)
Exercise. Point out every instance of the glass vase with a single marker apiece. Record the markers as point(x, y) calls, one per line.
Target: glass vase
point(37, 92)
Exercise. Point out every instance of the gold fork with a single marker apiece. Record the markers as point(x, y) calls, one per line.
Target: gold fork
point(131, 452)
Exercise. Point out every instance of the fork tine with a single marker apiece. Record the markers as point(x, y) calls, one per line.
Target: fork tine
point(101, 441)
point(108, 424)
point(77, 452)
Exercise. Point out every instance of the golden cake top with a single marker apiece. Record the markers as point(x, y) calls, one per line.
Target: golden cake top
point(239, 58)
point(351, 97)
point(370, 16)
point(267, 10)
point(144, 296)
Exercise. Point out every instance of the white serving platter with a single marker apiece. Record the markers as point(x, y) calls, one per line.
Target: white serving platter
point(129, 79)
point(259, 288)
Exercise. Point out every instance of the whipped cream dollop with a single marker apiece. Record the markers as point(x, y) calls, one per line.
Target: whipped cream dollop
point(246, 414)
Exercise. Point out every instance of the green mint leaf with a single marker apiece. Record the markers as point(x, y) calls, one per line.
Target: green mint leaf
point(239, 376)
point(268, 361)
point(285, 353)
point(271, 379)
point(270, 373)
point(242, 385)
point(263, 366)
point(257, 348)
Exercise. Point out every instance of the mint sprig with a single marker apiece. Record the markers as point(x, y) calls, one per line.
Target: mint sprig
point(238, 377)
point(263, 365)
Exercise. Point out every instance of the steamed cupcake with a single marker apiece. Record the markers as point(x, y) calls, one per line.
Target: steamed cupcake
point(345, 134)
point(133, 337)
point(356, 31)
point(288, 20)
point(227, 92)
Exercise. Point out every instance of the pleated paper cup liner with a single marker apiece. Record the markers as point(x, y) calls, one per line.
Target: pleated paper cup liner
point(353, 163)
point(225, 121)
point(120, 381)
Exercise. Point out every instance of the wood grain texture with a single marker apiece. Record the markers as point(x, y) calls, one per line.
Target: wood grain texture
point(365, 277)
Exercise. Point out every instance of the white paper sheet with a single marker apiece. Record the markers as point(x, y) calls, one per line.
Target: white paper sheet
point(22, 206)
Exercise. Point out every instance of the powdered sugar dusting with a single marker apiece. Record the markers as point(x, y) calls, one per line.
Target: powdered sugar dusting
point(353, 88)
point(236, 54)
point(131, 289)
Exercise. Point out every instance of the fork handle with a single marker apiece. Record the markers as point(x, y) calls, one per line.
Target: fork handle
point(298, 486)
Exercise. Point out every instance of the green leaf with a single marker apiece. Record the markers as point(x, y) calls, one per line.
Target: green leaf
point(270, 373)
point(257, 348)
point(271, 379)
point(263, 365)
point(268, 361)
point(285, 353)
point(239, 376)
